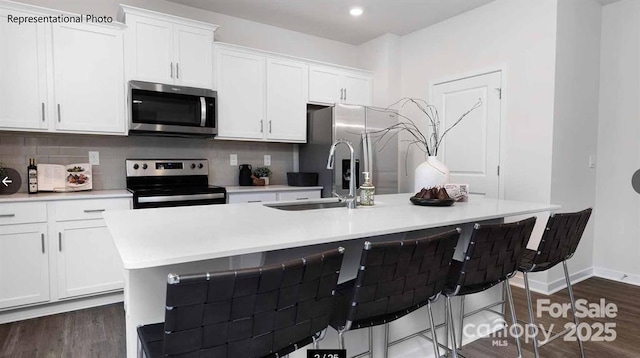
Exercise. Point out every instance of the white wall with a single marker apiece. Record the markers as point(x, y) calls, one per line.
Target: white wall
point(520, 35)
point(232, 29)
point(576, 111)
point(617, 214)
point(382, 56)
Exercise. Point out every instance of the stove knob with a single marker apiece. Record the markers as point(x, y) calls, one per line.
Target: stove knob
point(200, 166)
point(144, 166)
point(193, 166)
point(136, 166)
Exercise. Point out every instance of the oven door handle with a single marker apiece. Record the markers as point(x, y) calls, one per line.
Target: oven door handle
point(175, 198)
point(203, 111)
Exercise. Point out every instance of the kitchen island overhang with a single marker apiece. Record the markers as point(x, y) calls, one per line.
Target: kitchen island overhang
point(154, 242)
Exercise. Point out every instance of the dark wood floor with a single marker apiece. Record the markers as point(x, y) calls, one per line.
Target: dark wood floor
point(99, 332)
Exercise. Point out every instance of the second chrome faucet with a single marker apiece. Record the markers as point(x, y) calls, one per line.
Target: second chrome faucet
point(351, 198)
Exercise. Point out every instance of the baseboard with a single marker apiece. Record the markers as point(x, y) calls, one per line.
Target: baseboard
point(616, 275)
point(59, 307)
point(548, 288)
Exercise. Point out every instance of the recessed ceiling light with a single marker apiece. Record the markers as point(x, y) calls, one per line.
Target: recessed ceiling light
point(356, 11)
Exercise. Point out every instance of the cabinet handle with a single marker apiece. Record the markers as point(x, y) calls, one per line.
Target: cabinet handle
point(171, 66)
point(302, 198)
point(269, 126)
point(94, 211)
point(59, 116)
point(43, 111)
point(254, 201)
point(261, 126)
point(42, 240)
point(177, 70)
point(341, 93)
point(345, 94)
point(7, 215)
point(60, 241)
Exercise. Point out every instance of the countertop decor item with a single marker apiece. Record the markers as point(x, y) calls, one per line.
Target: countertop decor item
point(244, 178)
point(427, 138)
point(263, 174)
point(434, 196)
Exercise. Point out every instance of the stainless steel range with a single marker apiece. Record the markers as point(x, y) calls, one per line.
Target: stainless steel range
point(171, 182)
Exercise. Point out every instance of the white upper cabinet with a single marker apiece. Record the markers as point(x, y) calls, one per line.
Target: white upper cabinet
point(168, 49)
point(287, 95)
point(337, 85)
point(261, 97)
point(23, 74)
point(88, 79)
point(241, 95)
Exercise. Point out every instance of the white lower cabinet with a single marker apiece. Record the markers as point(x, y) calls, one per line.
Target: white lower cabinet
point(24, 265)
point(251, 197)
point(298, 195)
point(87, 258)
point(281, 195)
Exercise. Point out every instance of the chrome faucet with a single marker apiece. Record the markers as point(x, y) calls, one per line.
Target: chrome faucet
point(351, 199)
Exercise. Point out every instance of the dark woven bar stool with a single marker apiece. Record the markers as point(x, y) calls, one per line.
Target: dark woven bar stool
point(394, 279)
point(558, 244)
point(492, 257)
point(259, 312)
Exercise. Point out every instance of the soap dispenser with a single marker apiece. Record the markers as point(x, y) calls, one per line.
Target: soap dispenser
point(367, 191)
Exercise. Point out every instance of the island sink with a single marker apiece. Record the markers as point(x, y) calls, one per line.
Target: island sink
point(314, 205)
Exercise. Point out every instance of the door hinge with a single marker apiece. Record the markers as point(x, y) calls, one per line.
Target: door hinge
point(499, 92)
point(498, 170)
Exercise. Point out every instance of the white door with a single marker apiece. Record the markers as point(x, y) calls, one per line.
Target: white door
point(471, 150)
point(193, 56)
point(241, 95)
point(357, 89)
point(24, 265)
point(89, 79)
point(150, 44)
point(88, 261)
point(23, 77)
point(325, 85)
point(287, 96)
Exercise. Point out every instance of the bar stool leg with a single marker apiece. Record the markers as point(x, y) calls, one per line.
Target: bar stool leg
point(452, 331)
point(531, 325)
point(386, 340)
point(573, 305)
point(461, 318)
point(139, 349)
point(514, 321)
point(341, 339)
point(434, 336)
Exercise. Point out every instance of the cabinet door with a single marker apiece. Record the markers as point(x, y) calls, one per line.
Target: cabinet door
point(89, 79)
point(23, 77)
point(287, 96)
point(150, 49)
point(193, 56)
point(241, 99)
point(253, 197)
point(24, 265)
point(324, 85)
point(88, 261)
point(357, 89)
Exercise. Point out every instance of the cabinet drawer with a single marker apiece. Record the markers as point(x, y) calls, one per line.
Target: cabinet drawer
point(298, 195)
point(23, 213)
point(251, 197)
point(88, 209)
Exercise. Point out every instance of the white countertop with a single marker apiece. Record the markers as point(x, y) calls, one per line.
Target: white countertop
point(47, 196)
point(268, 188)
point(157, 237)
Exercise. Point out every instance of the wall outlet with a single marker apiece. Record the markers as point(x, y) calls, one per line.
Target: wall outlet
point(233, 159)
point(94, 158)
point(267, 159)
point(592, 161)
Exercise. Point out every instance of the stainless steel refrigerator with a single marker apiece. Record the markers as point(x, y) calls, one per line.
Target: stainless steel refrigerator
point(362, 127)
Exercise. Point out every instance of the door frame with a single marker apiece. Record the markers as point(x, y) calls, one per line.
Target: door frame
point(502, 153)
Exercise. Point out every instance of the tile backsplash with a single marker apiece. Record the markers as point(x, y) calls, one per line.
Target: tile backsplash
point(17, 148)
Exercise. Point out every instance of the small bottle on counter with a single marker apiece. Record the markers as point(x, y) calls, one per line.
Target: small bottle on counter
point(32, 174)
point(367, 191)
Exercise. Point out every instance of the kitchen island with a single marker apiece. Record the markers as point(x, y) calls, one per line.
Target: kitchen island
point(155, 242)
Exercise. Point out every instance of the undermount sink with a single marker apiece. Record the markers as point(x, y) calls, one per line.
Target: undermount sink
point(314, 205)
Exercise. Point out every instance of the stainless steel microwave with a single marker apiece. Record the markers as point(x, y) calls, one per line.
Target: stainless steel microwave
point(161, 109)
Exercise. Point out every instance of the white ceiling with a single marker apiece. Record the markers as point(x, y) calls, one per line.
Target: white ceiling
point(330, 18)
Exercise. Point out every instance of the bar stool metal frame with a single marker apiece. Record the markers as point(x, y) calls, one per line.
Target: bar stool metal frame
point(492, 257)
point(394, 279)
point(268, 311)
point(559, 242)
